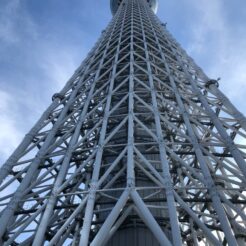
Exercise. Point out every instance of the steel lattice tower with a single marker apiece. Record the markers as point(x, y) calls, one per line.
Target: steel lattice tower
point(139, 148)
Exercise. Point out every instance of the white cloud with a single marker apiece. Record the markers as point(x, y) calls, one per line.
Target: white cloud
point(10, 136)
point(12, 17)
point(209, 20)
point(223, 47)
point(58, 65)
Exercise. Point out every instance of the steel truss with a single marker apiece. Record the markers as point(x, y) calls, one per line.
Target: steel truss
point(139, 148)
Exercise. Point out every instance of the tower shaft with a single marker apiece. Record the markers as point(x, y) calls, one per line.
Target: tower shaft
point(139, 148)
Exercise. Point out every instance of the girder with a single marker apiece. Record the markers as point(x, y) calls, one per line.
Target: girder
point(139, 148)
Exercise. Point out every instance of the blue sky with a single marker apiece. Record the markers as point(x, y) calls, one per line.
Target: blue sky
point(43, 42)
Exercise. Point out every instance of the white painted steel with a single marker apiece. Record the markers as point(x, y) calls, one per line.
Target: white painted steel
point(139, 148)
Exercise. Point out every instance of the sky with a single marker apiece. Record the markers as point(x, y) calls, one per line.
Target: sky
point(43, 42)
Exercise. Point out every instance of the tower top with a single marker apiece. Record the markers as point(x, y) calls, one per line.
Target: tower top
point(114, 4)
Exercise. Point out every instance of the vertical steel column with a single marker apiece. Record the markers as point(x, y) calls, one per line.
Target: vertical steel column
point(208, 179)
point(94, 182)
point(163, 156)
point(130, 140)
point(38, 240)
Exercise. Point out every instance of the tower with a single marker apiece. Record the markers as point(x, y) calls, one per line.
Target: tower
point(139, 148)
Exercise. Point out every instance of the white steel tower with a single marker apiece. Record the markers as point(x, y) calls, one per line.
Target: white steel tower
point(139, 148)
